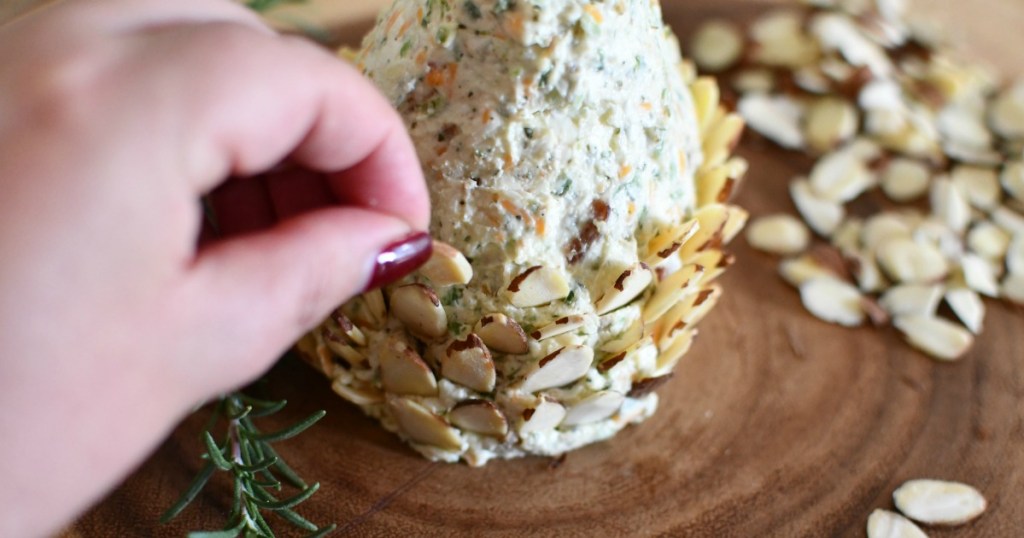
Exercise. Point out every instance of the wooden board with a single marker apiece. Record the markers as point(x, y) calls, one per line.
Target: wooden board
point(776, 424)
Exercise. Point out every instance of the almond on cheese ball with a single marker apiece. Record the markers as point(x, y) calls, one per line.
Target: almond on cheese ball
point(579, 175)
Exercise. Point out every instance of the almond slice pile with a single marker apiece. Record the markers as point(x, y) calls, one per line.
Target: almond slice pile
point(933, 142)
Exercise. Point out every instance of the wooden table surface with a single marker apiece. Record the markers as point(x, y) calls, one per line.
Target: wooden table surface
point(775, 425)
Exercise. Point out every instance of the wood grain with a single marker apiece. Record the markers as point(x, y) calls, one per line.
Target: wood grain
point(776, 424)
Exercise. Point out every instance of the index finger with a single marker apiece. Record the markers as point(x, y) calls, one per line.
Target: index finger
point(256, 99)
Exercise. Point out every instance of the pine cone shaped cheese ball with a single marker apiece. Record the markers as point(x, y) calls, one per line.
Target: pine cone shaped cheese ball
point(579, 175)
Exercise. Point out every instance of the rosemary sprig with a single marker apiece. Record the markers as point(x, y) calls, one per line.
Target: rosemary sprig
point(246, 454)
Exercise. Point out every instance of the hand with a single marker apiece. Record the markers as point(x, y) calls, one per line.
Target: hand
point(115, 117)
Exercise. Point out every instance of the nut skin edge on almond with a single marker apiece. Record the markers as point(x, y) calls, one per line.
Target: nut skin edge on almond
point(400, 258)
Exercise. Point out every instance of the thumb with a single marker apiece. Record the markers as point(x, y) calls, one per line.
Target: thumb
point(255, 295)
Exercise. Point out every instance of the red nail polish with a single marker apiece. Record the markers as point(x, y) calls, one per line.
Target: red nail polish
point(400, 258)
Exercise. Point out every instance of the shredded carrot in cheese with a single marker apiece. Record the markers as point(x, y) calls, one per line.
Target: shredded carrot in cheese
point(594, 13)
point(391, 21)
point(624, 171)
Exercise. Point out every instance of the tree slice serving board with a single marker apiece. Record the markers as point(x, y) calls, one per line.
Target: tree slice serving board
point(775, 424)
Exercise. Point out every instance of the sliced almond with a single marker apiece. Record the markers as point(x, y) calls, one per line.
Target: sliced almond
point(778, 234)
point(352, 333)
point(1006, 114)
point(950, 205)
point(937, 337)
point(912, 299)
point(937, 234)
point(361, 395)
point(714, 262)
point(811, 79)
point(846, 238)
point(597, 406)
point(718, 183)
point(1012, 179)
point(968, 306)
point(421, 425)
point(671, 290)
point(717, 45)
point(559, 368)
point(562, 325)
point(403, 371)
point(796, 271)
point(1015, 255)
point(468, 362)
point(721, 138)
point(911, 262)
point(447, 266)
point(980, 185)
point(829, 122)
point(939, 502)
point(711, 221)
point(502, 334)
point(676, 345)
point(705, 100)
point(753, 80)
point(961, 127)
point(989, 240)
point(643, 387)
point(625, 339)
point(833, 300)
point(883, 227)
point(479, 416)
point(905, 179)
point(840, 177)
point(667, 243)
point(1008, 219)
point(536, 286)
point(823, 216)
point(776, 117)
point(342, 349)
point(628, 286)
point(546, 415)
point(736, 219)
point(700, 304)
point(781, 40)
point(374, 301)
point(366, 310)
point(839, 33)
point(886, 524)
point(1012, 288)
point(979, 275)
point(865, 269)
point(419, 309)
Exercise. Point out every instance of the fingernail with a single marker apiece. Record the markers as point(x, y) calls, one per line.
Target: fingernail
point(400, 258)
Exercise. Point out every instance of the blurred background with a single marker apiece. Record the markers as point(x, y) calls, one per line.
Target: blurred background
point(983, 26)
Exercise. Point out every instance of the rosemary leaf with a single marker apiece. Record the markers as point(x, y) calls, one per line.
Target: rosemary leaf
point(290, 431)
point(257, 466)
point(287, 472)
point(290, 502)
point(197, 485)
point(294, 518)
point(270, 409)
point(323, 532)
point(216, 456)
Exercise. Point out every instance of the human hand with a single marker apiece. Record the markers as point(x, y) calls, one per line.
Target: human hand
point(115, 117)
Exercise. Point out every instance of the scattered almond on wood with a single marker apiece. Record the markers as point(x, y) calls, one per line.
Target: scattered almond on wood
point(890, 113)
